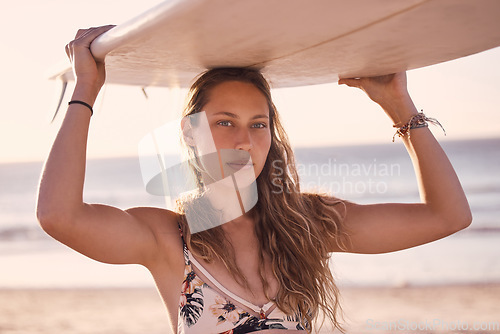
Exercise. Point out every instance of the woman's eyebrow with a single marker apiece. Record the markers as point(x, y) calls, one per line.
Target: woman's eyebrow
point(233, 115)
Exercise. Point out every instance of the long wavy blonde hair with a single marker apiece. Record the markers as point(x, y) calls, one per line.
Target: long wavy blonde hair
point(296, 230)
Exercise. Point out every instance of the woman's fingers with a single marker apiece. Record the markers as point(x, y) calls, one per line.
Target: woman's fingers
point(350, 82)
point(382, 80)
point(84, 37)
point(82, 41)
point(377, 87)
point(94, 31)
point(89, 73)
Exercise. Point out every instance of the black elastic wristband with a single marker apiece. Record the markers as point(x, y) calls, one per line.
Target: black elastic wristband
point(84, 104)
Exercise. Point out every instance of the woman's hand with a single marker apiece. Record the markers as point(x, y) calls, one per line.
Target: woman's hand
point(390, 92)
point(89, 73)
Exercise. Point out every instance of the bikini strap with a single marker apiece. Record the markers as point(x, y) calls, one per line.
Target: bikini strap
point(257, 309)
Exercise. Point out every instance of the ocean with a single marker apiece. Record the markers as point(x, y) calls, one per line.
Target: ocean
point(363, 174)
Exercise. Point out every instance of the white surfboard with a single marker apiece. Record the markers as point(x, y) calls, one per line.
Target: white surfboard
point(293, 42)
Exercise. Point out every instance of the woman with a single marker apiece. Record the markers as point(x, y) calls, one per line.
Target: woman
point(267, 269)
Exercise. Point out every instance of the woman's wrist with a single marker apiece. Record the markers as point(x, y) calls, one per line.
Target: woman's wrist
point(400, 111)
point(83, 93)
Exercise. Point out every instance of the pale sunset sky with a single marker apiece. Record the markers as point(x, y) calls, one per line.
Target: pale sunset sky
point(463, 94)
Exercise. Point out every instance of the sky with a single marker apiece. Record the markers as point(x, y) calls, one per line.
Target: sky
point(462, 94)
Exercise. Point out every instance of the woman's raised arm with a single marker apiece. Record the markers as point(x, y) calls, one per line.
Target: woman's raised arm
point(444, 210)
point(101, 232)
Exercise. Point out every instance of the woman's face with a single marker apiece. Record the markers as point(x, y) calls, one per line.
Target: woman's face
point(238, 116)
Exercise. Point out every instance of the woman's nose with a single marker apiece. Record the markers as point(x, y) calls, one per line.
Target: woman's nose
point(243, 140)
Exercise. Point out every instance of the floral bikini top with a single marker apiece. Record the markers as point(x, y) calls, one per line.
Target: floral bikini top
point(212, 309)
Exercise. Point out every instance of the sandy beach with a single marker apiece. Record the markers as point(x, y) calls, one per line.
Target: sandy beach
point(433, 309)
point(437, 309)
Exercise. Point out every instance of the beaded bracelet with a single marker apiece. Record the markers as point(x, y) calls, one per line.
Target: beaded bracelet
point(417, 121)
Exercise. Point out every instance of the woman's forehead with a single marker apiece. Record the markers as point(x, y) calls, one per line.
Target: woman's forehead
point(237, 95)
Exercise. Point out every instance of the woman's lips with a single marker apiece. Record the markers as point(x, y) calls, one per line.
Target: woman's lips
point(240, 165)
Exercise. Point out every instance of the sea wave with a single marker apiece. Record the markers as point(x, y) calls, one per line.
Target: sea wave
point(35, 233)
point(22, 233)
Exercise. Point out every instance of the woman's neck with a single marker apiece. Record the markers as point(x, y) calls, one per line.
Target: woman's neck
point(241, 231)
point(242, 224)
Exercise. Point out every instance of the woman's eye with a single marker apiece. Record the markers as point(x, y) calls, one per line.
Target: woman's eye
point(224, 123)
point(260, 125)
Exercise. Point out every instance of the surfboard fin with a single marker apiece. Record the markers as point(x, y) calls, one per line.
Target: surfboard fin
point(61, 97)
